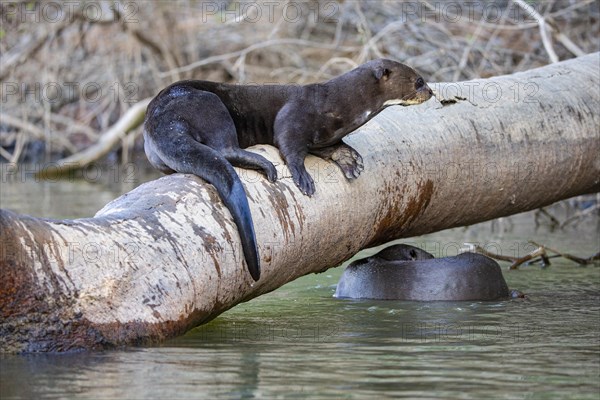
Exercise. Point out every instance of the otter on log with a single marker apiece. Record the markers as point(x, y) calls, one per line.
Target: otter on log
point(201, 127)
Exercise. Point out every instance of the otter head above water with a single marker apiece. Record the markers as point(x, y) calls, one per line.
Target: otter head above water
point(403, 272)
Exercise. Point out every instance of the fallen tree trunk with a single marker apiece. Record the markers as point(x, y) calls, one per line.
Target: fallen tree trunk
point(166, 257)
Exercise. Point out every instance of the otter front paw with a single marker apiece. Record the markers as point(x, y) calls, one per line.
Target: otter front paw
point(303, 180)
point(350, 162)
point(348, 159)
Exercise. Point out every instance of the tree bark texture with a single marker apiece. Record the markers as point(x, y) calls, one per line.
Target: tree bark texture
point(167, 257)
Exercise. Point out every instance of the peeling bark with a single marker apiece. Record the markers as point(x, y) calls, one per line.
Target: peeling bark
point(167, 256)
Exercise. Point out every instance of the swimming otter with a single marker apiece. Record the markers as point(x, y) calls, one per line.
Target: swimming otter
point(403, 272)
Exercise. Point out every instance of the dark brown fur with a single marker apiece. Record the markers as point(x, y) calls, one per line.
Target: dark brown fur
point(403, 272)
point(200, 127)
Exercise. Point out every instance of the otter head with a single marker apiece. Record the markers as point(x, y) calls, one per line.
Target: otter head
point(403, 252)
point(399, 83)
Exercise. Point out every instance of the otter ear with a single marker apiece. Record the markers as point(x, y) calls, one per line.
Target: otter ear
point(381, 72)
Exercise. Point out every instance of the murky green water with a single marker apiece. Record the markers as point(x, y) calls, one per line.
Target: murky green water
point(299, 342)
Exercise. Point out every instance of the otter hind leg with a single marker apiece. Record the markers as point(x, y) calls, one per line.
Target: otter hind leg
point(181, 139)
point(154, 158)
point(246, 159)
point(348, 159)
point(193, 157)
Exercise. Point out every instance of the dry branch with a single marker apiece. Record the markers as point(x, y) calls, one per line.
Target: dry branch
point(37, 133)
point(540, 254)
point(546, 39)
point(129, 121)
point(165, 257)
point(578, 260)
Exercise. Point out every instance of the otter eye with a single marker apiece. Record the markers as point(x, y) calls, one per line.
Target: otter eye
point(419, 83)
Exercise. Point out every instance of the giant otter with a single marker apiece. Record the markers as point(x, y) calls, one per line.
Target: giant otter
point(200, 128)
point(403, 272)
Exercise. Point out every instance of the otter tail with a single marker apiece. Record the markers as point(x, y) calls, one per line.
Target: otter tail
point(196, 158)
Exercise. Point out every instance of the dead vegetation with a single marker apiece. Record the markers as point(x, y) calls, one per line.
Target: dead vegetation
point(70, 71)
point(538, 256)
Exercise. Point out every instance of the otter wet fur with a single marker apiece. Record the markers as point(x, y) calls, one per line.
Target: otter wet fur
point(403, 272)
point(201, 127)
